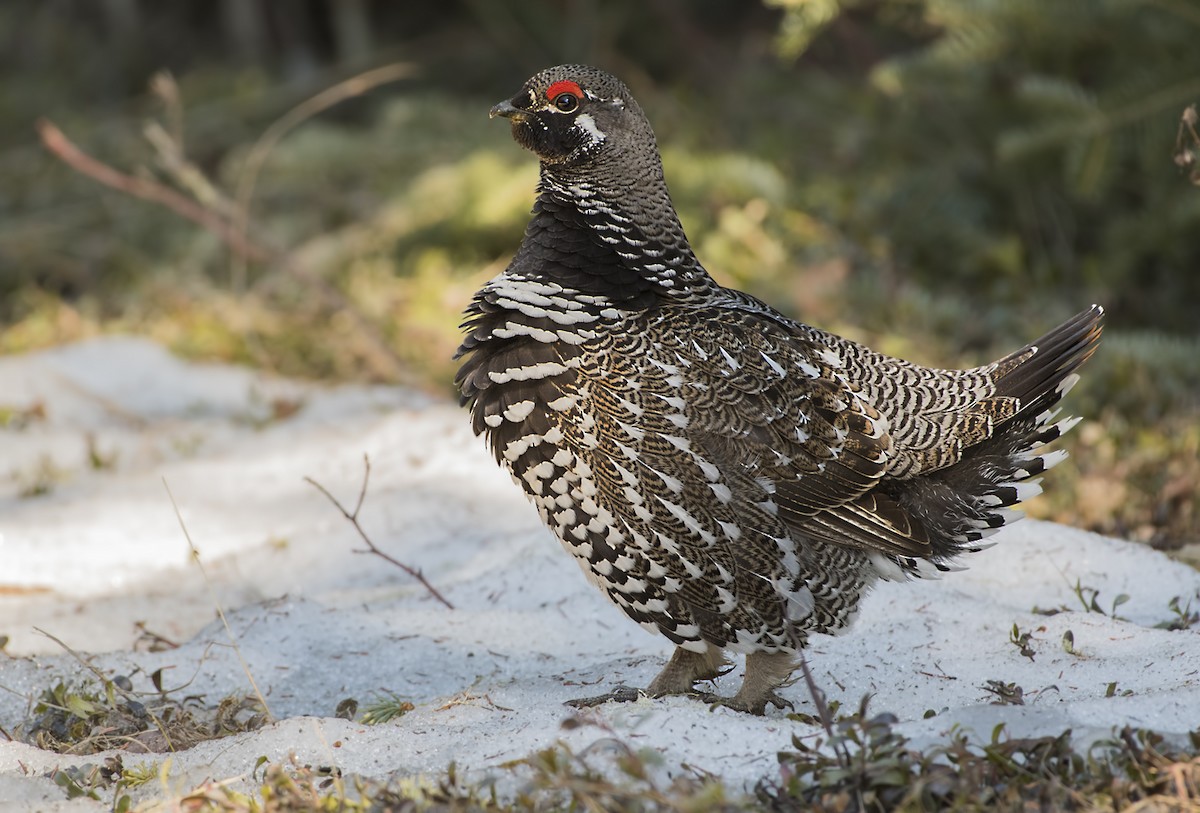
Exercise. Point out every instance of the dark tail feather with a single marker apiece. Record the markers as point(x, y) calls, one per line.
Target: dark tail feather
point(976, 496)
point(1035, 370)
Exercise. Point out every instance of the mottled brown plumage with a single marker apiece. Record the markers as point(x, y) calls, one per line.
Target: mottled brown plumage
point(730, 478)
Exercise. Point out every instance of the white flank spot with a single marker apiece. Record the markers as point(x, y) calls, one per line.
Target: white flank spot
point(493, 420)
point(632, 586)
point(774, 365)
point(670, 482)
point(681, 514)
point(682, 444)
point(570, 317)
point(511, 329)
point(831, 358)
point(711, 472)
point(730, 360)
point(574, 337)
point(721, 491)
point(543, 470)
point(519, 411)
point(669, 369)
point(532, 372)
point(634, 432)
point(625, 473)
point(681, 421)
point(520, 446)
point(563, 403)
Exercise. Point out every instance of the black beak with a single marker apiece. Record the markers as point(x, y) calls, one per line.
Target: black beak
point(508, 111)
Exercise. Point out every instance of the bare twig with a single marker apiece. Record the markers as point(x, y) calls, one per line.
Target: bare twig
point(352, 516)
point(65, 150)
point(347, 89)
point(1185, 153)
point(382, 357)
point(220, 612)
point(818, 696)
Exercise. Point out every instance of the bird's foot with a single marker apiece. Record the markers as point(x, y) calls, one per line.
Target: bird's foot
point(747, 705)
point(621, 694)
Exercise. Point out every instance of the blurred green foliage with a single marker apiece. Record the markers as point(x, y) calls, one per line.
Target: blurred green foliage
point(943, 179)
point(1023, 147)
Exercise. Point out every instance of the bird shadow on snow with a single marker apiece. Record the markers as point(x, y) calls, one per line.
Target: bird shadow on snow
point(1012, 640)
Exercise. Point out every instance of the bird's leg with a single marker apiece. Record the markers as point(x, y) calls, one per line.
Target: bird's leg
point(765, 672)
point(686, 667)
point(679, 676)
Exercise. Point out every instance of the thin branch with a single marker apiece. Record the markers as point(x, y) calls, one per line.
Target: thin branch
point(382, 357)
point(347, 89)
point(216, 603)
point(65, 150)
point(1185, 154)
point(817, 695)
point(352, 516)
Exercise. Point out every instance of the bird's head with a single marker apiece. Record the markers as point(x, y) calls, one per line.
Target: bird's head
point(571, 114)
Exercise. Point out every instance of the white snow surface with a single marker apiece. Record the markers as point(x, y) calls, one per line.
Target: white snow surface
point(316, 622)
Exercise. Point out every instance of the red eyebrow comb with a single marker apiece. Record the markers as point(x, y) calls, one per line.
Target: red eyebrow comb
point(563, 86)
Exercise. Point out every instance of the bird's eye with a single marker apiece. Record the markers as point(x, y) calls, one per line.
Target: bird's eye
point(566, 102)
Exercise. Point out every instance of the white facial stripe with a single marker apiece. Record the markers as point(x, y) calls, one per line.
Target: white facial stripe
point(588, 124)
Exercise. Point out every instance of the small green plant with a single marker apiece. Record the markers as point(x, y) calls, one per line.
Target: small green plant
point(18, 418)
point(1089, 598)
point(1006, 694)
point(104, 714)
point(385, 708)
point(1110, 690)
point(1185, 617)
point(99, 460)
point(867, 766)
point(834, 707)
point(1068, 644)
point(41, 479)
point(1020, 640)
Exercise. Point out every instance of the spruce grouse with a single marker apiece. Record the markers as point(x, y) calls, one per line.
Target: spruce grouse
point(730, 478)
